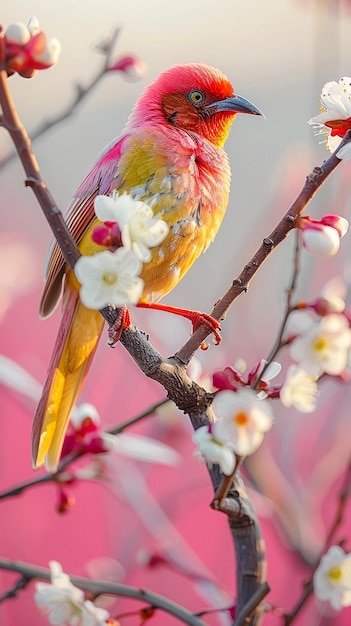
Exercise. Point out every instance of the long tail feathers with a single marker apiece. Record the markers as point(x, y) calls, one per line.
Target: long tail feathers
point(75, 346)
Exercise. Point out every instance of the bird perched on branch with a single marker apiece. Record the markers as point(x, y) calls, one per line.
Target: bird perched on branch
point(170, 156)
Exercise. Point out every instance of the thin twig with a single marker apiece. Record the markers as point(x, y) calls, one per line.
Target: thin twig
point(279, 343)
point(21, 583)
point(80, 94)
point(134, 420)
point(74, 456)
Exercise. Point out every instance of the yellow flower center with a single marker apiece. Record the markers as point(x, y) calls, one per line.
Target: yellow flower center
point(110, 278)
point(320, 344)
point(335, 573)
point(241, 418)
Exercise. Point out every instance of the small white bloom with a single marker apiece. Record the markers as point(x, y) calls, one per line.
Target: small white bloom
point(332, 578)
point(140, 229)
point(109, 278)
point(335, 118)
point(299, 390)
point(325, 347)
point(214, 451)
point(60, 600)
point(242, 419)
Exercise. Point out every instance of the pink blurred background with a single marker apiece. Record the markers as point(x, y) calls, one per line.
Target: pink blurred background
point(278, 54)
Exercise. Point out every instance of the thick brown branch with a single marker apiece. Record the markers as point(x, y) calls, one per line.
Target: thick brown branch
point(249, 546)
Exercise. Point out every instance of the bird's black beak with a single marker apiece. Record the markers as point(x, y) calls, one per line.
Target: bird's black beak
point(234, 104)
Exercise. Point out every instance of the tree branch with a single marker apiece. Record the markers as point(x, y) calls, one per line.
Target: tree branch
point(97, 588)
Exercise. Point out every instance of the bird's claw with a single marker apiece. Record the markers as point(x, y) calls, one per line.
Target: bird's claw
point(211, 324)
point(122, 322)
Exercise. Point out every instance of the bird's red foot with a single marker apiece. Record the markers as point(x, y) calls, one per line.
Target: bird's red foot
point(195, 317)
point(122, 322)
point(210, 323)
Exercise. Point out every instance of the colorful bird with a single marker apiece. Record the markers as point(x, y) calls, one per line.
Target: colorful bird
point(170, 156)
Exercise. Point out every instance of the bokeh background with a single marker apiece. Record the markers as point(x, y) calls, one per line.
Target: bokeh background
point(278, 55)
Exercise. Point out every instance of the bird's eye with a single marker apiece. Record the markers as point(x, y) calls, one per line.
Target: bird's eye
point(196, 96)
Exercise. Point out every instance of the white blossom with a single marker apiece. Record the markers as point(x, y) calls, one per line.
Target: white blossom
point(299, 390)
point(324, 348)
point(242, 419)
point(332, 578)
point(335, 115)
point(109, 278)
point(213, 450)
point(140, 229)
point(64, 603)
point(59, 600)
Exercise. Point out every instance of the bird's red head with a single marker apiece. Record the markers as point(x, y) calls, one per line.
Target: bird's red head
point(196, 98)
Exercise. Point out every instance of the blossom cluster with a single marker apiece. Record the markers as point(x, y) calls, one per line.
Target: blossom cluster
point(319, 345)
point(129, 229)
point(27, 48)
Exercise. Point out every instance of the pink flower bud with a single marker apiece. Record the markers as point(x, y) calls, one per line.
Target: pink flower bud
point(97, 444)
point(108, 235)
point(229, 378)
point(336, 221)
point(65, 501)
point(322, 238)
point(131, 66)
point(27, 49)
point(325, 306)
